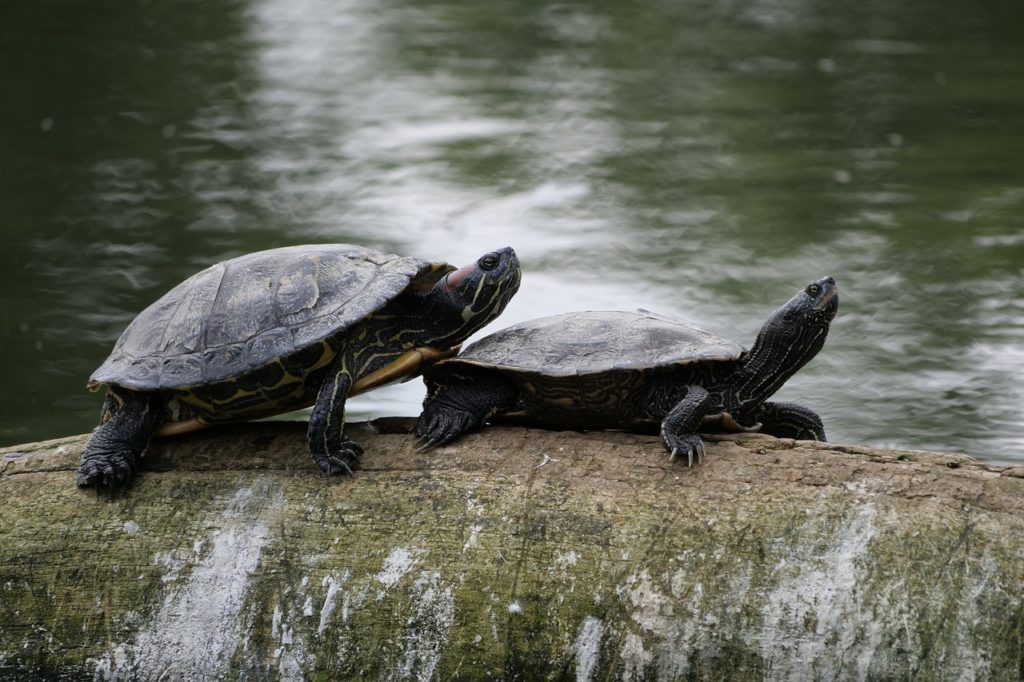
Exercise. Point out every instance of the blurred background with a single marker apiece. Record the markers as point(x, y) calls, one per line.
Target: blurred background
point(701, 159)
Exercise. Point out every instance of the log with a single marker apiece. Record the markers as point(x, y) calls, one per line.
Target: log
point(515, 553)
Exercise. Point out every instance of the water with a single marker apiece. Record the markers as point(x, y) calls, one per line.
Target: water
point(703, 160)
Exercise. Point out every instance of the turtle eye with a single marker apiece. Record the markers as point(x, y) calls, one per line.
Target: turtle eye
point(813, 290)
point(490, 261)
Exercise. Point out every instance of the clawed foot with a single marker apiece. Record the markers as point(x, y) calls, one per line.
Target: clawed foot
point(438, 428)
point(690, 446)
point(345, 460)
point(108, 469)
point(791, 420)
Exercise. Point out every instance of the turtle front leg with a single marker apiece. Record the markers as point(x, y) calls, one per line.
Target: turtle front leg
point(330, 449)
point(679, 427)
point(111, 454)
point(462, 404)
point(790, 420)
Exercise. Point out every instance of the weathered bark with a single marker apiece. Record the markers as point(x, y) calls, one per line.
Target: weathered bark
point(515, 553)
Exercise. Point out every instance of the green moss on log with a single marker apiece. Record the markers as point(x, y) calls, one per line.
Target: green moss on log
point(515, 553)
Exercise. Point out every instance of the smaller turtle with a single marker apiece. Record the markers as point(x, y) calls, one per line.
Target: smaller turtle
point(278, 330)
point(626, 370)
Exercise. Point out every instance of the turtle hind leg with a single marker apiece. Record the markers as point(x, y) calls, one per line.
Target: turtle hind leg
point(111, 455)
point(464, 402)
point(790, 420)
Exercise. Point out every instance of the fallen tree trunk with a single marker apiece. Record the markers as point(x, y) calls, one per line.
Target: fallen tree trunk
point(515, 553)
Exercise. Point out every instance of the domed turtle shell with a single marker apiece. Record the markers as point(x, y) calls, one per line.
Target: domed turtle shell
point(595, 342)
point(246, 312)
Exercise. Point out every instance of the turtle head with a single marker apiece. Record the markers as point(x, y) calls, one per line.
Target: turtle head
point(787, 341)
point(810, 309)
point(477, 293)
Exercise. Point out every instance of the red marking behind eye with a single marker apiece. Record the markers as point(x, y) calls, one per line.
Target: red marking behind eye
point(454, 279)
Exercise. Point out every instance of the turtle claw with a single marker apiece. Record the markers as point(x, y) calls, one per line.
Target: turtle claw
point(107, 470)
point(439, 428)
point(334, 465)
point(426, 442)
point(677, 444)
point(432, 440)
point(689, 457)
point(345, 460)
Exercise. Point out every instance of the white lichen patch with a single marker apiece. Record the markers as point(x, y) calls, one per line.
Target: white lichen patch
point(566, 559)
point(587, 650)
point(817, 609)
point(275, 622)
point(635, 658)
point(670, 629)
point(474, 535)
point(330, 601)
point(197, 629)
point(106, 667)
point(172, 565)
point(291, 667)
point(967, 659)
point(651, 607)
point(475, 506)
point(427, 631)
point(560, 570)
point(399, 562)
point(346, 607)
point(476, 509)
point(293, 656)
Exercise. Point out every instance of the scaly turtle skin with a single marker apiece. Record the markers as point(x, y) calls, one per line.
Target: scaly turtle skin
point(277, 330)
point(601, 370)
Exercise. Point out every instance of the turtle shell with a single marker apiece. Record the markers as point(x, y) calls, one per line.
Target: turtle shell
point(244, 313)
point(595, 342)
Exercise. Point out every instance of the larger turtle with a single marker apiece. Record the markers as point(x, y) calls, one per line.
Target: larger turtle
point(278, 330)
point(601, 370)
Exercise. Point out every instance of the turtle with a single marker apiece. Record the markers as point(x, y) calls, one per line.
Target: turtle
point(634, 371)
point(277, 330)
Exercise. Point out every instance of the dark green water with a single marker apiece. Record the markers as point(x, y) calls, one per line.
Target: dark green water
point(700, 159)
